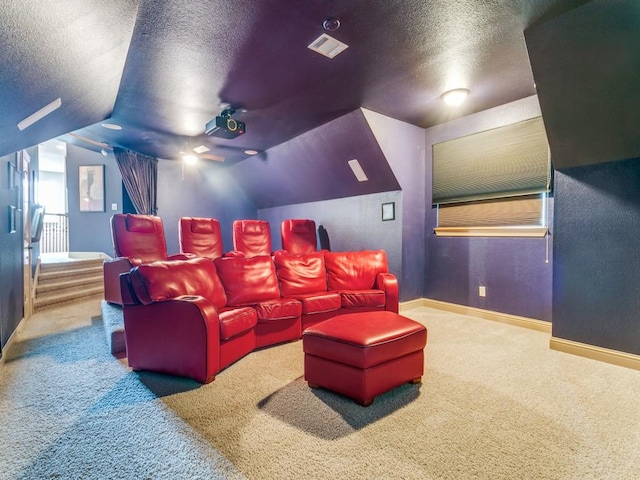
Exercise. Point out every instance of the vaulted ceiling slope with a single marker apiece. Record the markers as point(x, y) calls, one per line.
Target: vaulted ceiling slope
point(71, 50)
point(162, 68)
point(315, 166)
point(586, 64)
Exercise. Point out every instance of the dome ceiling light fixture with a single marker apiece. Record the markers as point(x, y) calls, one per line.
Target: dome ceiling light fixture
point(455, 97)
point(190, 159)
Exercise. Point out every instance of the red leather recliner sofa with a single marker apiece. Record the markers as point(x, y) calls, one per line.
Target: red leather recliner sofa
point(237, 304)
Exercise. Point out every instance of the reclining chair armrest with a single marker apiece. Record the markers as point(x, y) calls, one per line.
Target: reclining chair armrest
point(388, 283)
point(179, 336)
point(111, 270)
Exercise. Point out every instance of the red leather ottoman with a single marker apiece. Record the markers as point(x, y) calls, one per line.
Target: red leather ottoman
point(362, 355)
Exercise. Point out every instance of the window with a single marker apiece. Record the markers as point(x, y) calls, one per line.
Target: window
point(493, 183)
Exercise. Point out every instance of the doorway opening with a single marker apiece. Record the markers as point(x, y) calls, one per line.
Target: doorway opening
point(52, 194)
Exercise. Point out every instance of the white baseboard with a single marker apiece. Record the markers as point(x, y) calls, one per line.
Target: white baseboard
point(601, 354)
point(593, 352)
point(11, 340)
point(530, 323)
point(409, 304)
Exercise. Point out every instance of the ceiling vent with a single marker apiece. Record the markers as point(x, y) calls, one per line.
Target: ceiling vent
point(201, 149)
point(327, 46)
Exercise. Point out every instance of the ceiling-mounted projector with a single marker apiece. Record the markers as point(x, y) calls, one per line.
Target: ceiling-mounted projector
point(223, 126)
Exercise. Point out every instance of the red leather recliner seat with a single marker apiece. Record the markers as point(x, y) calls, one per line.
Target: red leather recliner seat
point(299, 236)
point(252, 281)
point(177, 322)
point(137, 239)
point(252, 238)
point(331, 283)
point(201, 237)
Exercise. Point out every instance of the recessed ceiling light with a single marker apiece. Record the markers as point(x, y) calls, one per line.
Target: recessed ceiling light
point(201, 149)
point(327, 46)
point(356, 168)
point(111, 126)
point(455, 97)
point(40, 114)
point(250, 151)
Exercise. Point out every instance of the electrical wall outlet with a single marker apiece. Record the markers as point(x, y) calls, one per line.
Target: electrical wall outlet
point(482, 291)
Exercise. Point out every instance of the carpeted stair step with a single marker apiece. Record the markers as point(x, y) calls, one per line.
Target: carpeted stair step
point(66, 298)
point(64, 284)
point(47, 275)
point(59, 280)
point(68, 282)
point(71, 264)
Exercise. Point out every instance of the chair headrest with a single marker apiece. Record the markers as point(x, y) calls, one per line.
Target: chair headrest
point(303, 226)
point(255, 227)
point(141, 223)
point(203, 225)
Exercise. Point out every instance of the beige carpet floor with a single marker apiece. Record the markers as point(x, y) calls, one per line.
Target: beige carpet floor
point(495, 403)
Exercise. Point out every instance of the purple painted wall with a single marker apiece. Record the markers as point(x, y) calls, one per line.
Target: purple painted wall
point(203, 190)
point(596, 280)
point(403, 146)
point(11, 289)
point(353, 223)
point(91, 231)
point(515, 271)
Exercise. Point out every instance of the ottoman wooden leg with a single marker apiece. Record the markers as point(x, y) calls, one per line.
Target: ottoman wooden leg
point(313, 385)
point(416, 380)
point(366, 403)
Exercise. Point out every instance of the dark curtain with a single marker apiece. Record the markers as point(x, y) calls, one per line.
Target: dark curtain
point(140, 178)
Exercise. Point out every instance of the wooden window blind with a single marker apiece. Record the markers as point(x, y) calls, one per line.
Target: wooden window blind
point(511, 217)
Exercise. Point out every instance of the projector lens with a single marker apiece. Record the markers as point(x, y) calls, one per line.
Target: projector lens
point(232, 125)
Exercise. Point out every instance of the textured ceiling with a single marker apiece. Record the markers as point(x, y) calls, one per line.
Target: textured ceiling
point(161, 69)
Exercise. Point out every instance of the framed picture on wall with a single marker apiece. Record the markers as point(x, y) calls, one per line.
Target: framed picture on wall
point(12, 218)
point(91, 188)
point(388, 211)
point(11, 175)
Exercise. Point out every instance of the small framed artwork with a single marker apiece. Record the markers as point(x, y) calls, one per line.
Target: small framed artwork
point(19, 162)
point(388, 211)
point(12, 219)
point(11, 175)
point(91, 188)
